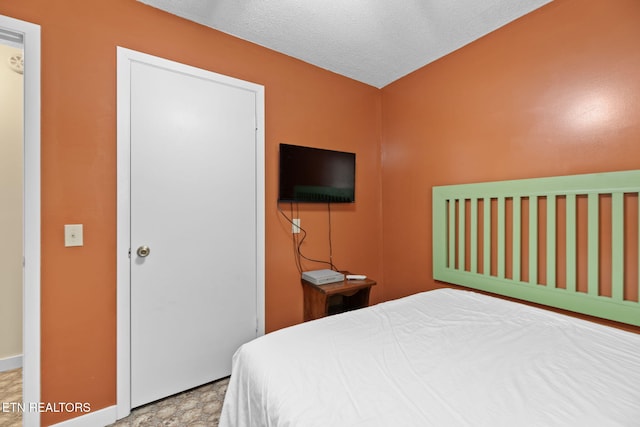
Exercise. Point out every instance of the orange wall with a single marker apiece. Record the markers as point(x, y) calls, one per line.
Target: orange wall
point(304, 105)
point(555, 93)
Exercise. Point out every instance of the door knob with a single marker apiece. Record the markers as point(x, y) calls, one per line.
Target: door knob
point(143, 251)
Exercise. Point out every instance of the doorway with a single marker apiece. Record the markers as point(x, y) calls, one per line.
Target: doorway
point(11, 195)
point(29, 35)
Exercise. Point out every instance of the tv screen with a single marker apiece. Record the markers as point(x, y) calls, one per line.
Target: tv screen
point(316, 175)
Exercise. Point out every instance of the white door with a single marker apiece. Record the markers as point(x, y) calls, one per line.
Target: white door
point(193, 205)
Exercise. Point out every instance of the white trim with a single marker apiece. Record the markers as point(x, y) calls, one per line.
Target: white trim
point(101, 417)
point(11, 363)
point(31, 227)
point(123, 300)
point(124, 59)
point(260, 208)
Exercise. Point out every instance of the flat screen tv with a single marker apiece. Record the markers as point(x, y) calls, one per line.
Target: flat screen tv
point(316, 175)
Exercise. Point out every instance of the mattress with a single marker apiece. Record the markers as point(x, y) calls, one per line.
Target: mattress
point(439, 358)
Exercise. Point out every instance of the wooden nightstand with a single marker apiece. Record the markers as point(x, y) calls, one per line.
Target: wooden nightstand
point(332, 298)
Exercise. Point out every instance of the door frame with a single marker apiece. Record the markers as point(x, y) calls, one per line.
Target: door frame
point(31, 214)
point(124, 59)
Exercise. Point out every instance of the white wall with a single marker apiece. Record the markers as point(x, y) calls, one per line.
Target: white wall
point(11, 175)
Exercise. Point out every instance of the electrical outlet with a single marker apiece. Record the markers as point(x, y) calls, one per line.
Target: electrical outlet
point(295, 227)
point(73, 235)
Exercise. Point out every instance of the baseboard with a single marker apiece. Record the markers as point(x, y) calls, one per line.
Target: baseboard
point(99, 418)
point(9, 363)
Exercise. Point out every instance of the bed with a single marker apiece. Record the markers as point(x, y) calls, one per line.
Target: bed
point(451, 357)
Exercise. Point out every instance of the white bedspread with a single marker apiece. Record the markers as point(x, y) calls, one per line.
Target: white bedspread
point(440, 358)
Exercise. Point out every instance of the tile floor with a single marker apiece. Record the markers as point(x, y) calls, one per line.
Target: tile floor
point(10, 395)
point(199, 407)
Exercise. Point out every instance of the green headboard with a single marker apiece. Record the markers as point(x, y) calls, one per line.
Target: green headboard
point(569, 242)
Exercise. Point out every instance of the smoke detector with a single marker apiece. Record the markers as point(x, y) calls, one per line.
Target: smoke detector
point(16, 63)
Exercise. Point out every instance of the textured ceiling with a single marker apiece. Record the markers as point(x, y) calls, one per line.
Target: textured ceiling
point(372, 41)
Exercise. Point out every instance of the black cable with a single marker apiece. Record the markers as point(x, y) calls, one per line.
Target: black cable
point(333, 267)
point(300, 254)
point(297, 242)
point(294, 238)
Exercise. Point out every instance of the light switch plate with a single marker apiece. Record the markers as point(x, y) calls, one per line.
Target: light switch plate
point(73, 235)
